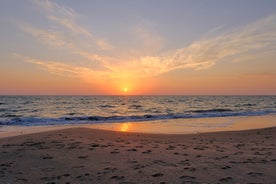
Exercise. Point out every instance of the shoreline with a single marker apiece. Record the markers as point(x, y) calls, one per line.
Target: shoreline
point(85, 155)
point(174, 126)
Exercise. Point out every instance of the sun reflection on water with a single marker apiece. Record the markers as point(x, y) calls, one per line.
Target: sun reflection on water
point(124, 127)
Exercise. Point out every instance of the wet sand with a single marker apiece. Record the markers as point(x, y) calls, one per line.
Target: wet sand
point(83, 155)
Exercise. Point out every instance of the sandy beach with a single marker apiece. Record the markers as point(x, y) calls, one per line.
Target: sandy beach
point(137, 92)
point(83, 155)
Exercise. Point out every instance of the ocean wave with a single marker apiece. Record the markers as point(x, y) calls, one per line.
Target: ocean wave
point(33, 121)
point(135, 106)
point(211, 110)
point(3, 110)
point(107, 106)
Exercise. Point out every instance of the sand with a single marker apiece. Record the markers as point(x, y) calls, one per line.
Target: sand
point(83, 155)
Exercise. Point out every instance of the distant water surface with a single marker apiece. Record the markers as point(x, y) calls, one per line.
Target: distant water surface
point(58, 110)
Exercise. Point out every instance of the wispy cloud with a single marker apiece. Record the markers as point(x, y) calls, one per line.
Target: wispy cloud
point(104, 44)
point(62, 69)
point(66, 17)
point(54, 8)
point(199, 55)
point(49, 37)
point(148, 40)
point(203, 54)
point(69, 24)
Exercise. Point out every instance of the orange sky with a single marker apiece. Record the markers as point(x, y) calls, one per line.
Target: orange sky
point(67, 48)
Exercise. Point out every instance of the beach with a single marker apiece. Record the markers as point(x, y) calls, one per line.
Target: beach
point(85, 155)
point(137, 92)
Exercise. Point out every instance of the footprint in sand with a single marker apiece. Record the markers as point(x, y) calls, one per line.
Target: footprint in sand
point(83, 177)
point(46, 157)
point(132, 149)
point(132, 161)
point(226, 167)
point(140, 146)
point(160, 162)
point(110, 169)
point(115, 151)
point(238, 153)
point(255, 174)
point(138, 166)
point(219, 158)
point(157, 175)
point(187, 177)
point(258, 153)
point(48, 178)
point(117, 177)
point(107, 170)
point(254, 160)
point(19, 173)
point(199, 148)
point(192, 169)
point(77, 167)
point(8, 145)
point(60, 146)
point(119, 140)
point(48, 169)
point(22, 179)
point(147, 152)
point(185, 162)
point(226, 179)
point(83, 157)
point(238, 146)
point(170, 148)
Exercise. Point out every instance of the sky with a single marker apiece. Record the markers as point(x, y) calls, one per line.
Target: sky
point(143, 47)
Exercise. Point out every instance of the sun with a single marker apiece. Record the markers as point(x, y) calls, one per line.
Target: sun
point(125, 90)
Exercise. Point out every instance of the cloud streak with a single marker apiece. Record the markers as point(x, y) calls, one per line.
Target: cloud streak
point(199, 55)
point(66, 17)
point(69, 24)
point(205, 53)
point(67, 70)
point(51, 38)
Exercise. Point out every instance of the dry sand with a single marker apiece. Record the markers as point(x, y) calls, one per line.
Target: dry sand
point(82, 155)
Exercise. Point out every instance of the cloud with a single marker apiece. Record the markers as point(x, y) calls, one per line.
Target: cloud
point(104, 44)
point(73, 71)
point(66, 17)
point(150, 41)
point(69, 24)
point(205, 53)
point(148, 61)
point(54, 8)
point(52, 66)
point(49, 37)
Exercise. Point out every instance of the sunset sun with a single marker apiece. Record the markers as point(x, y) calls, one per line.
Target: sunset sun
point(125, 90)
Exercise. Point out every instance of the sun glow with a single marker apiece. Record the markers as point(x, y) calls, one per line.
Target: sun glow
point(125, 127)
point(129, 86)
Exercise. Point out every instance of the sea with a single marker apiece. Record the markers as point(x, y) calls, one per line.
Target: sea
point(62, 110)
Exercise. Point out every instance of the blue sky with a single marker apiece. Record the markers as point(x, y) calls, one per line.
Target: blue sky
point(180, 46)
